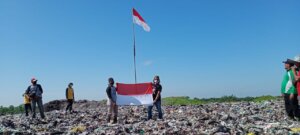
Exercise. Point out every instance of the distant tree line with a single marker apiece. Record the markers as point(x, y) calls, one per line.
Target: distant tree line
point(11, 109)
point(185, 100)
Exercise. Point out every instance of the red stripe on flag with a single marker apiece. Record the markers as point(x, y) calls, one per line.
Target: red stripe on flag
point(135, 13)
point(134, 89)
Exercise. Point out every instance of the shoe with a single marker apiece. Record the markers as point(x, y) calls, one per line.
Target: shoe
point(108, 120)
point(291, 118)
point(115, 121)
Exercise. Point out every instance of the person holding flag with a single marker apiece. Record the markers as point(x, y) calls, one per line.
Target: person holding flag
point(157, 88)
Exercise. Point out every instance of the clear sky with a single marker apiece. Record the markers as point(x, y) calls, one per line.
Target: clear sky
point(199, 48)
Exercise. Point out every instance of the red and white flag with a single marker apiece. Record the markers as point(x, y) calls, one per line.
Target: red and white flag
point(134, 94)
point(137, 18)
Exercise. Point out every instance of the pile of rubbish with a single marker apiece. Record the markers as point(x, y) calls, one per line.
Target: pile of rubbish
point(89, 117)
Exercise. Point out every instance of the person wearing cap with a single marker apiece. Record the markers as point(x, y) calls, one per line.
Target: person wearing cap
point(157, 88)
point(111, 92)
point(289, 91)
point(35, 92)
point(70, 97)
point(27, 104)
point(297, 73)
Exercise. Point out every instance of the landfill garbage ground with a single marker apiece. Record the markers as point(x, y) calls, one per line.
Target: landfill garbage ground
point(89, 117)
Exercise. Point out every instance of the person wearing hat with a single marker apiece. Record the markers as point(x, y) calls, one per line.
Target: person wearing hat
point(289, 91)
point(70, 97)
point(111, 92)
point(297, 73)
point(35, 92)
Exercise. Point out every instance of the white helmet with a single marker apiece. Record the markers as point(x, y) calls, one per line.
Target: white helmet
point(297, 58)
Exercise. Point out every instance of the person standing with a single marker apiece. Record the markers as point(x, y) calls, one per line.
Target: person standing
point(111, 92)
point(157, 88)
point(70, 97)
point(289, 91)
point(297, 73)
point(27, 105)
point(35, 92)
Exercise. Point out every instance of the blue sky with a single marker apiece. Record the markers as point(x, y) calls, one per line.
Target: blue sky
point(199, 48)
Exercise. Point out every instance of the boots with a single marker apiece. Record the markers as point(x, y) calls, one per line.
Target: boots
point(108, 119)
point(115, 120)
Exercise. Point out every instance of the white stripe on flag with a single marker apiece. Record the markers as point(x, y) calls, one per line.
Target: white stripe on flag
point(141, 23)
point(135, 99)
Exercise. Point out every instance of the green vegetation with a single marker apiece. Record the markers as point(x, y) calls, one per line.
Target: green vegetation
point(197, 101)
point(11, 110)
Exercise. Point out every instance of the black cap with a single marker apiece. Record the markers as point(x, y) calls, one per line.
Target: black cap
point(289, 61)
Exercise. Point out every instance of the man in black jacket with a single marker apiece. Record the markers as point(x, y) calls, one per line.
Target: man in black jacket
point(35, 92)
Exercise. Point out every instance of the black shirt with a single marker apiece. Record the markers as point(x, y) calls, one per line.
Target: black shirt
point(156, 88)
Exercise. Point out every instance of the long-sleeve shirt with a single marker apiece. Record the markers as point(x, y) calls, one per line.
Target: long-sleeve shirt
point(35, 90)
point(287, 85)
point(111, 94)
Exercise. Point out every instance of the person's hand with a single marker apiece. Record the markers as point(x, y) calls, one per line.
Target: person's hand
point(282, 95)
point(154, 101)
point(113, 103)
point(291, 96)
point(293, 67)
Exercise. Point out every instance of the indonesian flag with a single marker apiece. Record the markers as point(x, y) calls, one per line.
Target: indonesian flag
point(137, 18)
point(134, 94)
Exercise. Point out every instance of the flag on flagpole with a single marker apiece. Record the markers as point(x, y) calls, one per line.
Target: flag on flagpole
point(137, 19)
point(134, 94)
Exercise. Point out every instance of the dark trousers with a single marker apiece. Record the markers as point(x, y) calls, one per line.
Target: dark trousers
point(27, 108)
point(291, 106)
point(39, 102)
point(158, 107)
point(70, 105)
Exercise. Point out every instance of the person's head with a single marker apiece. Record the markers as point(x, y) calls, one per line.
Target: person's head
point(297, 61)
point(34, 81)
point(70, 85)
point(156, 79)
point(111, 81)
point(288, 64)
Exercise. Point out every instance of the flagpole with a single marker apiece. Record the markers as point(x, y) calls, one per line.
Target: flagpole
point(134, 53)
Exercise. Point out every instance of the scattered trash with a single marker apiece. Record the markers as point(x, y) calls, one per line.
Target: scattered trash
point(89, 117)
point(77, 129)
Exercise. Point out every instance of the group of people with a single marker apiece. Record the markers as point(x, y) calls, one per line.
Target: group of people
point(290, 88)
point(33, 98)
point(111, 92)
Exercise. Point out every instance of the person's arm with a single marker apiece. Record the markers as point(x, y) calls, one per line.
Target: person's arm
point(73, 95)
point(27, 91)
point(67, 93)
point(108, 92)
point(295, 74)
point(158, 94)
point(156, 98)
point(41, 89)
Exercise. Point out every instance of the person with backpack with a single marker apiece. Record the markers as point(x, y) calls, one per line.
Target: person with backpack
point(35, 92)
point(289, 92)
point(27, 104)
point(157, 88)
point(111, 92)
point(70, 97)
